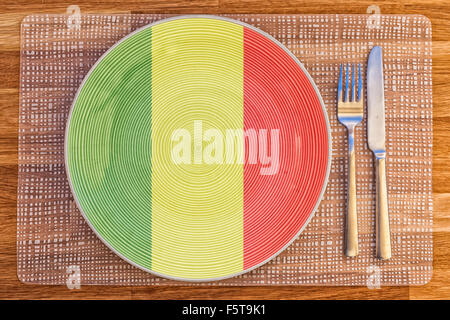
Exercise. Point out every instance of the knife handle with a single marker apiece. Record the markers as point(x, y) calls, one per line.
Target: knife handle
point(382, 211)
point(351, 223)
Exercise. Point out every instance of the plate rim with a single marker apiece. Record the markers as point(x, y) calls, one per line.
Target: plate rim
point(311, 81)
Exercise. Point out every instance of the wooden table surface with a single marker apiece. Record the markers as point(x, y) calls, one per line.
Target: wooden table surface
point(13, 11)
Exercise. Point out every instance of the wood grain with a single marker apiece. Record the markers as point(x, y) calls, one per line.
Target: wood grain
point(11, 15)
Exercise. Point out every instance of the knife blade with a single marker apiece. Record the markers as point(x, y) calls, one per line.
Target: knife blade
point(375, 102)
point(377, 143)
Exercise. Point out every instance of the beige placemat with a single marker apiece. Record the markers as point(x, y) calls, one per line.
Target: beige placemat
point(54, 242)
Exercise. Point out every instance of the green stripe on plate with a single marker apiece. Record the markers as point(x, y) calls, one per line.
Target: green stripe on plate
point(109, 148)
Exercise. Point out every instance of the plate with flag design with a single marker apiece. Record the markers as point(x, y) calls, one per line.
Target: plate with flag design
point(198, 148)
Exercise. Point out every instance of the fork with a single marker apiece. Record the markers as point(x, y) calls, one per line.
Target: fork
point(350, 113)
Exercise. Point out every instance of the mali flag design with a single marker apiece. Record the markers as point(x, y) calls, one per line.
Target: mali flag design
point(197, 219)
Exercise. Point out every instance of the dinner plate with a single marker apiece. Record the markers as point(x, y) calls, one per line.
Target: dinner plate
point(197, 148)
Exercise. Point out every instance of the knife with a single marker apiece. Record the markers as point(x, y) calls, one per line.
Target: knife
point(376, 141)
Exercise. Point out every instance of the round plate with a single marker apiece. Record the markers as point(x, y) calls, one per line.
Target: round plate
point(198, 148)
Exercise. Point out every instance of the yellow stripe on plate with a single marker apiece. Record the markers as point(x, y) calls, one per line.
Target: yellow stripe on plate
point(197, 207)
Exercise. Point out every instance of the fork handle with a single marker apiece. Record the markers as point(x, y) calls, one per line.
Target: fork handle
point(351, 224)
point(382, 211)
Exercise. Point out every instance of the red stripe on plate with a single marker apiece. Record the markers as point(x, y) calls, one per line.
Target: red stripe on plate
point(278, 95)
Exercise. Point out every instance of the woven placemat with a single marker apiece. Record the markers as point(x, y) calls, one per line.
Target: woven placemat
point(53, 239)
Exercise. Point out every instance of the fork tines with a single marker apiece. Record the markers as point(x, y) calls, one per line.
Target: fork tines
point(350, 107)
